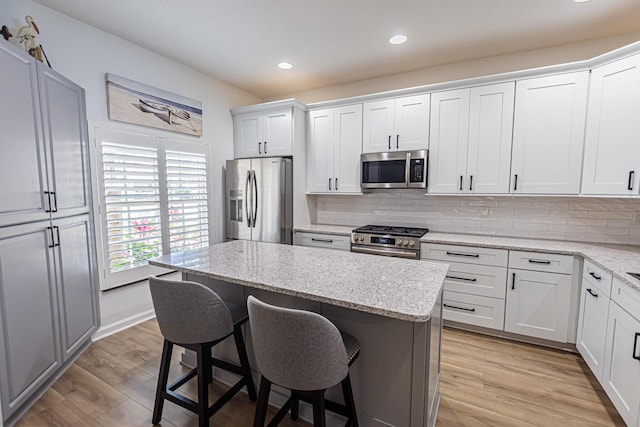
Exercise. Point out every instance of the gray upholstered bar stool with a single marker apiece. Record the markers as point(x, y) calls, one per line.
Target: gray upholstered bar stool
point(304, 352)
point(195, 317)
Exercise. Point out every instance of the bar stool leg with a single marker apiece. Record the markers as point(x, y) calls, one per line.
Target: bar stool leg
point(295, 406)
point(349, 402)
point(317, 399)
point(163, 376)
point(244, 362)
point(204, 366)
point(263, 402)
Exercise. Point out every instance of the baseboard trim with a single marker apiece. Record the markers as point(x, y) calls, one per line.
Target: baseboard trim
point(106, 330)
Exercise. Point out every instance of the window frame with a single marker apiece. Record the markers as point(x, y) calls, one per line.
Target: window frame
point(142, 138)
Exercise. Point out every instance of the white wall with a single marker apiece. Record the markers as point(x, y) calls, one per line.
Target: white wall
point(468, 69)
point(84, 54)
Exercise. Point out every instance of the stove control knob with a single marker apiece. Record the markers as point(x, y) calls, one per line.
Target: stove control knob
point(406, 242)
point(356, 238)
point(412, 243)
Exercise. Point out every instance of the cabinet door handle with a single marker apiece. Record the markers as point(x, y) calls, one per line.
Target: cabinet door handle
point(265, 147)
point(461, 182)
point(635, 346)
point(463, 254)
point(336, 184)
point(470, 182)
point(539, 261)
point(513, 282)
point(397, 142)
point(259, 147)
point(48, 209)
point(630, 184)
point(461, 278)
point(459, 308)
point(55, 202)
point(313, 239)
point(593, 294)
point(389, 142)
point(515, 182)
point(53, 240)
point(329, 184)
point(595, 276)
point(57, 235)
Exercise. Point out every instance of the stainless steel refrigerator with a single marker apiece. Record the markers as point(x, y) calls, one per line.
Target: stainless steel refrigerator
point(260, 199)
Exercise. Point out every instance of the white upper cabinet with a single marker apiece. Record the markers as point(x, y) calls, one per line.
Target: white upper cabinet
point(470, 140)
point(264, 133)
point(334, 144)
point(22, 162)
point(548, 134)
point(449, 139)
point(399, 124)
point(44, 142)
point(612, 145)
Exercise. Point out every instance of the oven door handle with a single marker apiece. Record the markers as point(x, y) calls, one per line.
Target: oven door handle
point(389, 252)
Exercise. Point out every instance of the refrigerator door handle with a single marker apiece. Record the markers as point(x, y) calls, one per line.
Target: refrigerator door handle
point(246, 198)
point(255, 199)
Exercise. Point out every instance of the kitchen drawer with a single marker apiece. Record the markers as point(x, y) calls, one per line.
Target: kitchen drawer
point(466, 254)
point(317, 240)
point(598, 277)
point(474, 310)
point(479, 280)
point(626, 297)
point(536, 261)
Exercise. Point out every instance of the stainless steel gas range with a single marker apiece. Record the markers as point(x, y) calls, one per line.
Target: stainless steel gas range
point(403, 242)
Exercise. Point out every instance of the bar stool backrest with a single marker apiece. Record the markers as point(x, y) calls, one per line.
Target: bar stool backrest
point(296, 349)
point(189, 312)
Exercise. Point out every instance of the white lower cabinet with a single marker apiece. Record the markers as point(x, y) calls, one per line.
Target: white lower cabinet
point(473, 309)
point(592, 320)
point(537, 304)
point(474, 286)
point(621, 373)
point(319, 240)
point(532, 297)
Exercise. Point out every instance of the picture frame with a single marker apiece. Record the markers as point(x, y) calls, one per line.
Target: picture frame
point(134, 102)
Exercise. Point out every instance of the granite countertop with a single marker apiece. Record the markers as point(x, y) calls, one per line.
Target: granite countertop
point(619, 259)
point(393, 287)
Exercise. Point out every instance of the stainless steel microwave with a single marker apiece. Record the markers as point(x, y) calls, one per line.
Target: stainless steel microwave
point(397, 169)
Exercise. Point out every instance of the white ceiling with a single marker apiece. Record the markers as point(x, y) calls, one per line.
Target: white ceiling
point(338, 41)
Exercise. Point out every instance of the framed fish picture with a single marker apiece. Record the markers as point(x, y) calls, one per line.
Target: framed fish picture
point(133, 102)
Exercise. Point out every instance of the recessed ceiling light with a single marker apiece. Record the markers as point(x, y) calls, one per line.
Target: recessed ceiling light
point(398, 39)
point(581, 1)
point(285, 65)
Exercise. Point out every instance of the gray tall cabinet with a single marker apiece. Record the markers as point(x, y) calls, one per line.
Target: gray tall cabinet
point(48, 276)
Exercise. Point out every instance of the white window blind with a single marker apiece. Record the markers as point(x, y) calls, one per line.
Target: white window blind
point(131, 205)
point(154, 201)
point(187, 199)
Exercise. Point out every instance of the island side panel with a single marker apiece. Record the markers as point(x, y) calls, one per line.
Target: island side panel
point(388, 389)
point(382, 375)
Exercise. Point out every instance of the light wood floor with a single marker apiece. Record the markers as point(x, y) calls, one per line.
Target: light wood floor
point(485, 382)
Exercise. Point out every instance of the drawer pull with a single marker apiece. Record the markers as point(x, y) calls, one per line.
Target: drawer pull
point(461, 278)
point(539, 261)
point(595, 276)
point(461, 308)
point(313, 239)
point(463, 254)
point(513, 282)
point(635, 346)
point(593, 294)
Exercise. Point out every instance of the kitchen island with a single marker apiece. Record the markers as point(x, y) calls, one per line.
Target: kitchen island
point(392, 306)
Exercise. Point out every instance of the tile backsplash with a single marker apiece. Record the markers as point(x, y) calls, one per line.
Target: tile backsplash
point(602, 220)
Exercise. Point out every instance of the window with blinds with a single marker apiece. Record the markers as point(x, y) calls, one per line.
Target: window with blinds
point(187, 200)
point(154, 201)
